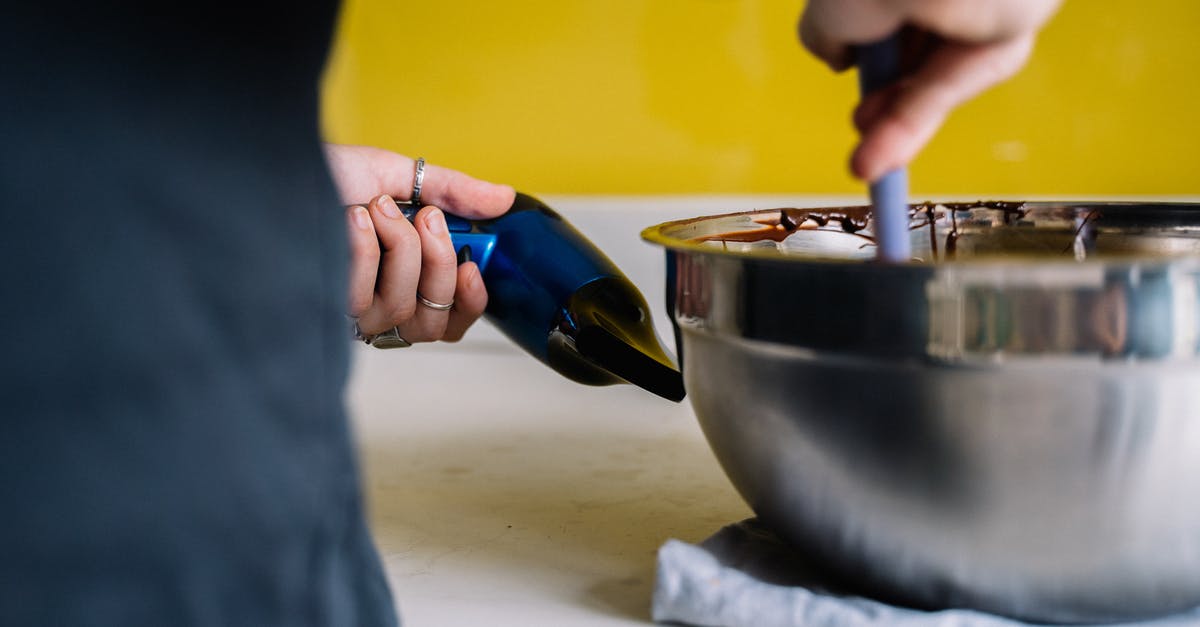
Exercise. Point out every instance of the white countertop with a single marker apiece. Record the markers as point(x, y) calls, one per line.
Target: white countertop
point(504, 494)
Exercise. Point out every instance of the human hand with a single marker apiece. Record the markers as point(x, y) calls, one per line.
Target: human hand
point(392, 259)
point(967, 47)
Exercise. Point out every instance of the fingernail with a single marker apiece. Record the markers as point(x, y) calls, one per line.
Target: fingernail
point(389, 208)
point(361, 219)
point(464, 255)
point(436, 222)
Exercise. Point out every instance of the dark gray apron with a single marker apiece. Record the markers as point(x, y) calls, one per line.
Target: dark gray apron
point(173, 447)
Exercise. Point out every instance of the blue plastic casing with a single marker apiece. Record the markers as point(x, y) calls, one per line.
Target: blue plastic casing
point(557, 296)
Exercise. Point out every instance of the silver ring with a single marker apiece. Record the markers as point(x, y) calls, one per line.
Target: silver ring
point(432, 305)
point(388, 339)
point(418, 179)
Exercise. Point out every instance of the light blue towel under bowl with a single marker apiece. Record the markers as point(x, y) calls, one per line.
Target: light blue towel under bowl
point(744, 576)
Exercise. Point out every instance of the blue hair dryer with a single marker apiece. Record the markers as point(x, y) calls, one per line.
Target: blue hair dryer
point(558, 297)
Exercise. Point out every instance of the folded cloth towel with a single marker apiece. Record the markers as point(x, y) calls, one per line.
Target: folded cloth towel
point(744, 576)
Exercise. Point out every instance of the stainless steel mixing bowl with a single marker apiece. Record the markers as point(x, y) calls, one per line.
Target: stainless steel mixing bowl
point(1010, 423)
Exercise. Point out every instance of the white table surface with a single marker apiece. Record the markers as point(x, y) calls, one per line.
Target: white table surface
point(504, 494)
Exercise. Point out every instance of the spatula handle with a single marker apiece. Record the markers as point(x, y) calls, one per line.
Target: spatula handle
point(878, 67)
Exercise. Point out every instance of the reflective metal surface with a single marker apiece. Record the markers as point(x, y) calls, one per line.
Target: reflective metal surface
point(1010, 423)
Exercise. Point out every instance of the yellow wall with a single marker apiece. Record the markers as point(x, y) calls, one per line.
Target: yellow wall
point(716, 96)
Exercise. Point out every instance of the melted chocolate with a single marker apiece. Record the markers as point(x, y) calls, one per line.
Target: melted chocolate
point(952, 237)
point(775, 233)
point(1013, 211)
point(855, 219)
point(786, 222)
point(849, 220)
point(932, 216)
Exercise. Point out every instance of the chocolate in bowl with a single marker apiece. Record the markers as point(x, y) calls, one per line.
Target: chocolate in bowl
point(1010, 422)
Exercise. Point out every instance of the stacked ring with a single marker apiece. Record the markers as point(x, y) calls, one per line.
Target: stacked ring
point(432, 305)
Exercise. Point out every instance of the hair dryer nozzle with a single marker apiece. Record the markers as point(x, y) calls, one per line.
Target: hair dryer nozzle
point(613, 335)
point(555, 294)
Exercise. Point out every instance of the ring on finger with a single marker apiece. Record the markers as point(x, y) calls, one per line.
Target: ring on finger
point(388, 339)
point(432, 305)
point(418, 180)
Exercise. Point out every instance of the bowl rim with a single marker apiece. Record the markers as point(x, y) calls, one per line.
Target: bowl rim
point(656, 235)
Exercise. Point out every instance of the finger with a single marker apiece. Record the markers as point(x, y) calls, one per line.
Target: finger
point(470, 299)
point(953, 74)
point(979, 21)
point(874, 106)
point(399, 268)
point(358, 171)
point(463, 195)
point(829, 27)
point(916, 48)
point(439, 271)
point(363, 171)
point(364, 259)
